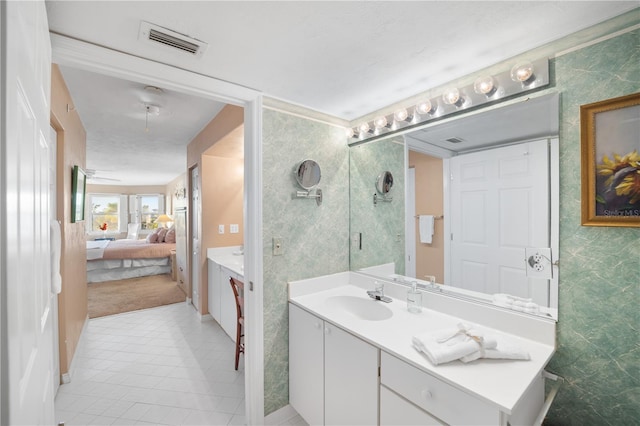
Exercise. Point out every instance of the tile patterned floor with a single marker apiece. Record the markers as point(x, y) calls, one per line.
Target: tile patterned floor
point(159, 366)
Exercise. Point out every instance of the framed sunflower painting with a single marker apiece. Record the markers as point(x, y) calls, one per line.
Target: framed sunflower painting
point(610, 134)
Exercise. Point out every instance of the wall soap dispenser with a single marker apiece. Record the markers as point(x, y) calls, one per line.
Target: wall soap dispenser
point(414, 299)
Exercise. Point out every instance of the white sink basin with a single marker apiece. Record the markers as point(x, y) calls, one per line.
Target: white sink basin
point(366, 309)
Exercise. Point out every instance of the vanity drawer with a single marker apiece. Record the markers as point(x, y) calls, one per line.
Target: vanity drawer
point(447, 403)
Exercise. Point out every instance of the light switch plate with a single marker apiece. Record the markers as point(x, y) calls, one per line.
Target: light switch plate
point(220, 229)
point(278, 247)
point(233, 228)
point(538, 262)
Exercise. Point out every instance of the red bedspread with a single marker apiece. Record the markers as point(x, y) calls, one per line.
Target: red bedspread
point(136, 249)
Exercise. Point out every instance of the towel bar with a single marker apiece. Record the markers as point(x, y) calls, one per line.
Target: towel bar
point(435, 217)
point(550, 397)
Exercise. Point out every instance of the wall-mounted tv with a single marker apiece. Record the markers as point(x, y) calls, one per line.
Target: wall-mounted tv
point(78, 187)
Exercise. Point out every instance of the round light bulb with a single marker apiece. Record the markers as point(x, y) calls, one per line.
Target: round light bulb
point(364, 128)
point(484, 85)
point(401, 114)
point(451, 96)
point(522, 72)
point(424, 107)
point(349, 131)
point(380, 122)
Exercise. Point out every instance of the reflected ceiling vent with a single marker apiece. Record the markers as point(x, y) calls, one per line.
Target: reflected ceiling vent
point(454, 140)
point(151, 33)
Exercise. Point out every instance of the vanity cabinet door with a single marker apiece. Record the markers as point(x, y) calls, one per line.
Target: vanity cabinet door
point(214, 289)
point(228, 315)
point(306, 365)
point(350, 379)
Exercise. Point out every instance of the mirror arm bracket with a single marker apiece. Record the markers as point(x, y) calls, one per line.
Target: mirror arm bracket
point(308, 194)
point(381, 198)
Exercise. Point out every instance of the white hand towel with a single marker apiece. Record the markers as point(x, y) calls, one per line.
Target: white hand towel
point(504, 350)
point(426, 223)
point(450, 344)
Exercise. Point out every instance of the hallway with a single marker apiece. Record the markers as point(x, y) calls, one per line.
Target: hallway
point(155, 366)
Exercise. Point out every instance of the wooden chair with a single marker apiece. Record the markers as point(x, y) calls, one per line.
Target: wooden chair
point(238, 294)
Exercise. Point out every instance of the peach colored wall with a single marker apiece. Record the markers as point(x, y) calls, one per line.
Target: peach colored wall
point(429, 200)
point(72, 301)
point(222, 196)
point(177, 183)
point(220, 128)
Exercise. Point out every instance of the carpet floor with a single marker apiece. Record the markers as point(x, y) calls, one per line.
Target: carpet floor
point(115, 297)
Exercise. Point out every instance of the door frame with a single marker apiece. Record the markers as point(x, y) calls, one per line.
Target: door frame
point(82, 55)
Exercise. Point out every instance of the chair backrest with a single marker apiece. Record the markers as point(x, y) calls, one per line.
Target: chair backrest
point(238, 294)
point(132, 231)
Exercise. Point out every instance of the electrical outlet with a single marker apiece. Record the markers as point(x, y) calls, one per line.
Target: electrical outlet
point(220, 229)
point(538, 262)
point(278, 247)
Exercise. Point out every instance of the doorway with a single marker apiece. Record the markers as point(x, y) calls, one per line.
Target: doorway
point(116, 64)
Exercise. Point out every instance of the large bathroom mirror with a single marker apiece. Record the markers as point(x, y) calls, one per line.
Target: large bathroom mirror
point(475, 204)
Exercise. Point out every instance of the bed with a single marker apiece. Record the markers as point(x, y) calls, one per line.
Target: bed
point(121, 259)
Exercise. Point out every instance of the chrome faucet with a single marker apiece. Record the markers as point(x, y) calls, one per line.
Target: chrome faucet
point(378, 293)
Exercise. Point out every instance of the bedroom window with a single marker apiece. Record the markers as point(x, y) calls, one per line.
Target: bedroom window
point(104, 209)
point(145, 209)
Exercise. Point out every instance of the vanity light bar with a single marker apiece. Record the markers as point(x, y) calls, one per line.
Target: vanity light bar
point(486, 89)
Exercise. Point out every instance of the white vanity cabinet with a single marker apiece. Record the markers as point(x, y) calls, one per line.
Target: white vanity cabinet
point(333, 376)
point(222, 305)
point(214, 286)
point(228, 314)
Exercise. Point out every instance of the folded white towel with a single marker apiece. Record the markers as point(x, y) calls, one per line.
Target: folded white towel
point(426, 224)
point(516, 303)
point(453, 343)
point(504, 350)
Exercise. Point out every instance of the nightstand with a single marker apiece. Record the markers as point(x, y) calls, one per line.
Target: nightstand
point(174, 266)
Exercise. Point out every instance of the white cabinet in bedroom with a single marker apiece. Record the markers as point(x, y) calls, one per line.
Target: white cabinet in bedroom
point(182, 273)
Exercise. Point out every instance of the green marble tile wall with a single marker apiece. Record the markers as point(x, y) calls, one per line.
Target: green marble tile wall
point(316, 238)
point(381, 225)
point(599, 322)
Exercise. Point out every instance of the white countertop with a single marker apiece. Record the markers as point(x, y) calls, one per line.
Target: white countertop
point(499, 382)
point(224, 256)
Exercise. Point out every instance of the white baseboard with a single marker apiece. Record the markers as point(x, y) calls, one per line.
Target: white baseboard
point(66, 378)
point(280, 416)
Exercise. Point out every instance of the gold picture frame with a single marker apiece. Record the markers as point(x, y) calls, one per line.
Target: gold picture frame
point(610, 162)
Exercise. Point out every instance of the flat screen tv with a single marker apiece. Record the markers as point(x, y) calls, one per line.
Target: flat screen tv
point(78, 187)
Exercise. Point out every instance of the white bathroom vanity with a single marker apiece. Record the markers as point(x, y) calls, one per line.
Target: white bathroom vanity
point(351, 359)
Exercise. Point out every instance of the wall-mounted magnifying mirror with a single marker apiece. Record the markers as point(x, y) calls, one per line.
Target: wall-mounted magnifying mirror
point(308, 176)
point(384, 182)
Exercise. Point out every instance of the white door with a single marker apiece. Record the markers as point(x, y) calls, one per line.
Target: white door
point(195, 238)
point(53, 208)
point(26, 373)
point(499, 206)
point(410, 224)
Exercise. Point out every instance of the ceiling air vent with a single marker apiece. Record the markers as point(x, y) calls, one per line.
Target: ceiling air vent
point(454, 140)
point(155, 34)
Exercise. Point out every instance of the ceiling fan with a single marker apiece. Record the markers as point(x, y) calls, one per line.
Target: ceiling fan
point(92, 175)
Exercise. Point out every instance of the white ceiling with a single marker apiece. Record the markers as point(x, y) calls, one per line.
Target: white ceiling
point(345, 59)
